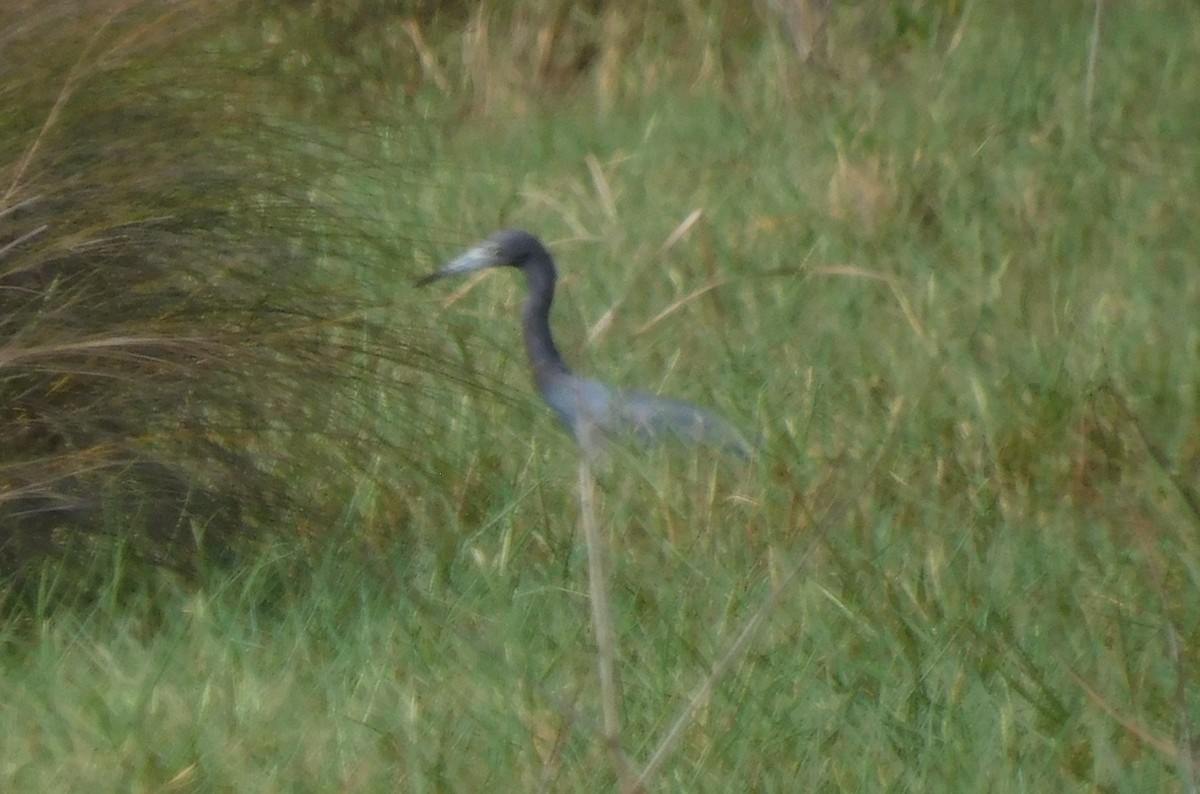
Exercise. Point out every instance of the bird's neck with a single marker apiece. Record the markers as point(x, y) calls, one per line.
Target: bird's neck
point(544, 358)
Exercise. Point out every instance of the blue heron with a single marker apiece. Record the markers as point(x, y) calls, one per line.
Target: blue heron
point(589, 409)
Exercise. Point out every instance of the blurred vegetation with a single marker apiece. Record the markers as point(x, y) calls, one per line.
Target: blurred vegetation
point(188, 363)
point(940, 254)
point(169, 279)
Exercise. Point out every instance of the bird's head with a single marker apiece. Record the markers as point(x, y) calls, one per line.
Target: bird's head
point(508, 248)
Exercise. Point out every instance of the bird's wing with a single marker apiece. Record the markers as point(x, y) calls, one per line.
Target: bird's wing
point(654, 418)
point(594, 411)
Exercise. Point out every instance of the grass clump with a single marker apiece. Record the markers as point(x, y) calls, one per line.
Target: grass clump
point(187, 362)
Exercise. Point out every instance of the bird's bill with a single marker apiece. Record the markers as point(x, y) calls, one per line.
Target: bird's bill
point(480, 257)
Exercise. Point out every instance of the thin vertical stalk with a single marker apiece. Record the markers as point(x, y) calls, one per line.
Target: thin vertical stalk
point(602, 625)
point(1089, 88)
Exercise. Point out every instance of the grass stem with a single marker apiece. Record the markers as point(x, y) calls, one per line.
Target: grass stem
point(602, 625)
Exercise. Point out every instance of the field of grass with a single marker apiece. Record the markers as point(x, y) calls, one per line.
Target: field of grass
point(949, 280)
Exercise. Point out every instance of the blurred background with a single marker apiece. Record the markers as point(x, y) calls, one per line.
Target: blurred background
point(272, 519)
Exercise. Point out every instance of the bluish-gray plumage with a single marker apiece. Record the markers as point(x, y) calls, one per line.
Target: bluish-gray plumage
point(589, 409)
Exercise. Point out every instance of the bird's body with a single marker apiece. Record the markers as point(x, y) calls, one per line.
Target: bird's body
point(591, 410)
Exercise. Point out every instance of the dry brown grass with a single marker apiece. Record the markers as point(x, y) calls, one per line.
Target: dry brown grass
point(180, 344)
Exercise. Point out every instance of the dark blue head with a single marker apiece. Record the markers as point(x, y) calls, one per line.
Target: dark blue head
point(507, 248)
point(515, 248)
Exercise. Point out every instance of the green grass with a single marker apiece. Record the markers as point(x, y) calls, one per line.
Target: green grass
point(961, 315)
